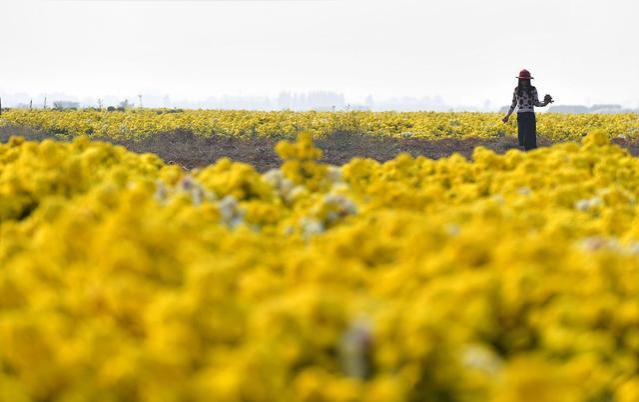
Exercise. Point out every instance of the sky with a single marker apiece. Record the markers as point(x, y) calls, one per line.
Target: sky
point(466, 51)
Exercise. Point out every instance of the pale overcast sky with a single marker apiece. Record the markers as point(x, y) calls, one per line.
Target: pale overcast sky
point(467, 51)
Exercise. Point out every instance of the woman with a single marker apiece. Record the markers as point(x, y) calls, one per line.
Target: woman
point(526, 97)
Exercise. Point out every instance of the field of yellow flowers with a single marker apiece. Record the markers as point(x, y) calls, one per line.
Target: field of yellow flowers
point(287, 124)
point(507, 278)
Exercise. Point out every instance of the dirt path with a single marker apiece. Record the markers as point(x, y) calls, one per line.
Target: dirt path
point(191, 151)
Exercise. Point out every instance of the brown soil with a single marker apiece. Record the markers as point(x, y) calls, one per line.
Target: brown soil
point(190, 151)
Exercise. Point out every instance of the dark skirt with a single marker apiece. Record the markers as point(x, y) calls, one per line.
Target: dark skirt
point(527, 130)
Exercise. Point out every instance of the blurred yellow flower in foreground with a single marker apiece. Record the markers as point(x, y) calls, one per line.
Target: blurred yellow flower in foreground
point(506, 278)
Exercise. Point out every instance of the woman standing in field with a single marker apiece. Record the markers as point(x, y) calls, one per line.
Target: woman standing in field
point(525, 95)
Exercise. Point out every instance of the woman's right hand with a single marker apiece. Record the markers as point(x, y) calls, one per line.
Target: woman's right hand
point(505, 119)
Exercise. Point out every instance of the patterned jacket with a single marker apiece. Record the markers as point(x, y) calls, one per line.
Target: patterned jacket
point(526, 101)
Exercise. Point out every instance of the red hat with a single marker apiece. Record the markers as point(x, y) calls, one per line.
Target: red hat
point(525, 75)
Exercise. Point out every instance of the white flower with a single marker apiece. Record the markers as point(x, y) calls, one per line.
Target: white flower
point(594, 243)
point(311, 227)
point(187, 183)
point(232, 215)
point(161, 192)
point(355, 350)
point(280, 183)
point(633, 248)
point(481, 358)
point(295, 193)
point(197, 193)
point(586, 204)
point(524, 190)
point(335, 174)
point(452, 229)
point(339, 206)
